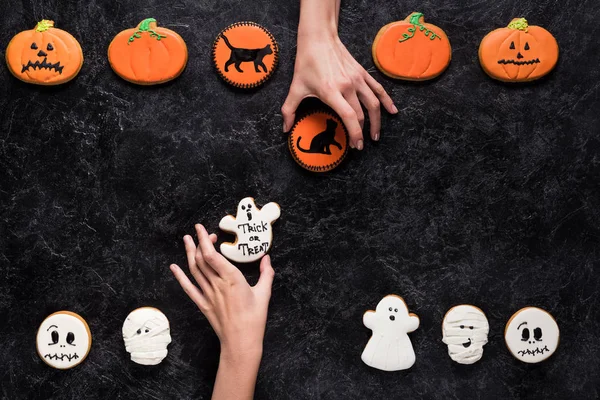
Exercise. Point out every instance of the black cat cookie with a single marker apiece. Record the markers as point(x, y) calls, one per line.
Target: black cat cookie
point(319, 142)
point(245, 54)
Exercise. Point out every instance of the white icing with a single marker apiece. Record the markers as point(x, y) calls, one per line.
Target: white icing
point(465, 330)
point(253, 229)
point(390, 349)
point(63, 340)
point(531, 335)
point(146, 334)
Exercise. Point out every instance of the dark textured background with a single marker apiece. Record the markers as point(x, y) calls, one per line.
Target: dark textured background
point(478, 192)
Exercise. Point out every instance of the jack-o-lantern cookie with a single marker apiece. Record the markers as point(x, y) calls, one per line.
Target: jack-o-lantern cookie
point(531, 335)
point(245, 54)
point(518, 53)
point(63, 340)
point(148, 54)
point(319, 142)
point(44, 55)
point(412, 50)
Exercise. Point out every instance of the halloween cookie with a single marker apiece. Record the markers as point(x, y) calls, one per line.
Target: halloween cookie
point(245, 54)
point(411, 49)
point(390, 349)
point(148, 54)
point(518, 53)
point(146, 334)
point(465, 330)
point(252, 228)
point(63, 340)
point(319, 141)
point(531, 335)
point(44, 55)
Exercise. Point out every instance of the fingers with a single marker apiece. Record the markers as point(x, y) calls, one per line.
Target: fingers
point(381, 94)
point(352, 99)
point(371, 103)
point(209, 254)
point(288, 110)
point(213, 238)
point(188, 287)
point(265, 282)
point(196, 266)
point(348, 115)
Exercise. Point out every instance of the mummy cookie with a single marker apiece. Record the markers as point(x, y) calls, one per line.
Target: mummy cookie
point(63, 340)
point(531, 335)
point(253, 230)
point(390, 349)
point(465, 330)
point(146, 334)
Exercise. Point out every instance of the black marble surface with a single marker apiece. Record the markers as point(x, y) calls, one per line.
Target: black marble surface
point(478, 192)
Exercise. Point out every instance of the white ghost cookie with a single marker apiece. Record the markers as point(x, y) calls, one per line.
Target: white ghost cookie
point(146, 334)
point(465, 330)
point(390, 349)
point(531, 335)
point(63, 340)
point(253, 230)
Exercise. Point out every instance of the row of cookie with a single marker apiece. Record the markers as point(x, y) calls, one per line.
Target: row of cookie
point(531, 334)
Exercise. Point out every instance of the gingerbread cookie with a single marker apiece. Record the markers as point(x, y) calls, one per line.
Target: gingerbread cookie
point(148, 55)
point(518, 53)
point(44, 55)
point(531, 335)
point(253, 230)
point(146, 333)
point(245, 54)
point(63, 340)
point(319, 141)
point(465, 330)
point(411, 49)
point(390, 349)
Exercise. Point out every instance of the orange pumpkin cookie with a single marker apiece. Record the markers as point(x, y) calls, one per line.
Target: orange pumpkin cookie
point(148, 55)
point(411, 49)
point(519, 52)
point(245, 54)
point(44, 55)
point(319, 142)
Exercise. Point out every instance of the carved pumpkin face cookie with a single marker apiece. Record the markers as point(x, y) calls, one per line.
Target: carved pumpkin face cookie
point(245, 54)
point(411, 49)
point(44, 55)
point(319, 142)
point(147, 54)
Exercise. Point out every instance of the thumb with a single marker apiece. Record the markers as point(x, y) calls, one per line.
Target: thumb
point(288, 110)
point(265, 282)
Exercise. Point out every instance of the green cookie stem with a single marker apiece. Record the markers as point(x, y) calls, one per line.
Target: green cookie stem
point(144, 26)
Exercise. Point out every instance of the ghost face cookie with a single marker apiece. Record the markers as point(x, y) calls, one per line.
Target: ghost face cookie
point(146, 333)
point(390, 349)
point(531, 335)
point(63, 340)
point(465, 330)
point(253, 231)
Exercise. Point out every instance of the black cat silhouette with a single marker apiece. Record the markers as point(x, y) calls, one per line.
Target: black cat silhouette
point(239, 56)
point(322, 141)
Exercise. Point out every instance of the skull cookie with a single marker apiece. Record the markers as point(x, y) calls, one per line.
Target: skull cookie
point(465, 330)
point(63, 340)
point(253, 230)
point(531, 335)
point(146, 334)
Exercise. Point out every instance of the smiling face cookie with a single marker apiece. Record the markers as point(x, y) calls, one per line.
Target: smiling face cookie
point(465, 330)
point(531, 335)
point(63, 340)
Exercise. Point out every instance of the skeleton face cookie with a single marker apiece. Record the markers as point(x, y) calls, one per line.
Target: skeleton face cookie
point(146, 334)
point(531, 335)
point(253, 229)
point(63, 340)
point(390, 349)
point(465, 330)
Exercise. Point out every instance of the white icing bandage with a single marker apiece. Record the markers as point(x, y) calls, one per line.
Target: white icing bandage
point(465, 330)
point(146, 333)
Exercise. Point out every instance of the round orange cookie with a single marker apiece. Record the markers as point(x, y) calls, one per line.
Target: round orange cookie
point(245, 54)
point(411, 49)
point(147, 54)
point(319, 142)
point(44, 55)
point(518, 53)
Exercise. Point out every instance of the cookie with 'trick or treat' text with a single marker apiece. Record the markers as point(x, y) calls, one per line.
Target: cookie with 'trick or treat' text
point(465, 330)
point(146, 333)
point(253, 229)
point(63, 340)
point(531, 335)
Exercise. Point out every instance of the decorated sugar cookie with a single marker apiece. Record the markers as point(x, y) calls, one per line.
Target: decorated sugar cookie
point(390, 349)
point(253, 231)
point(44, 55)
point(146, 333)
point(465, 330)
point(63, 340)
point(245, 54)
point(412, 49)
point(518, 53)
point(531, 335)
point(319, 142)
point(148, 54)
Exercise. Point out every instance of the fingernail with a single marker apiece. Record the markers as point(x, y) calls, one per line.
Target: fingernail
point(284, 127)
point(376, 136)
point(394, 109)
point(173, 267)
point(359, 145)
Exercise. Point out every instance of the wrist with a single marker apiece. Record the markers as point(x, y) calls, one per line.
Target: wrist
point(245, 357)
point(318, 19)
